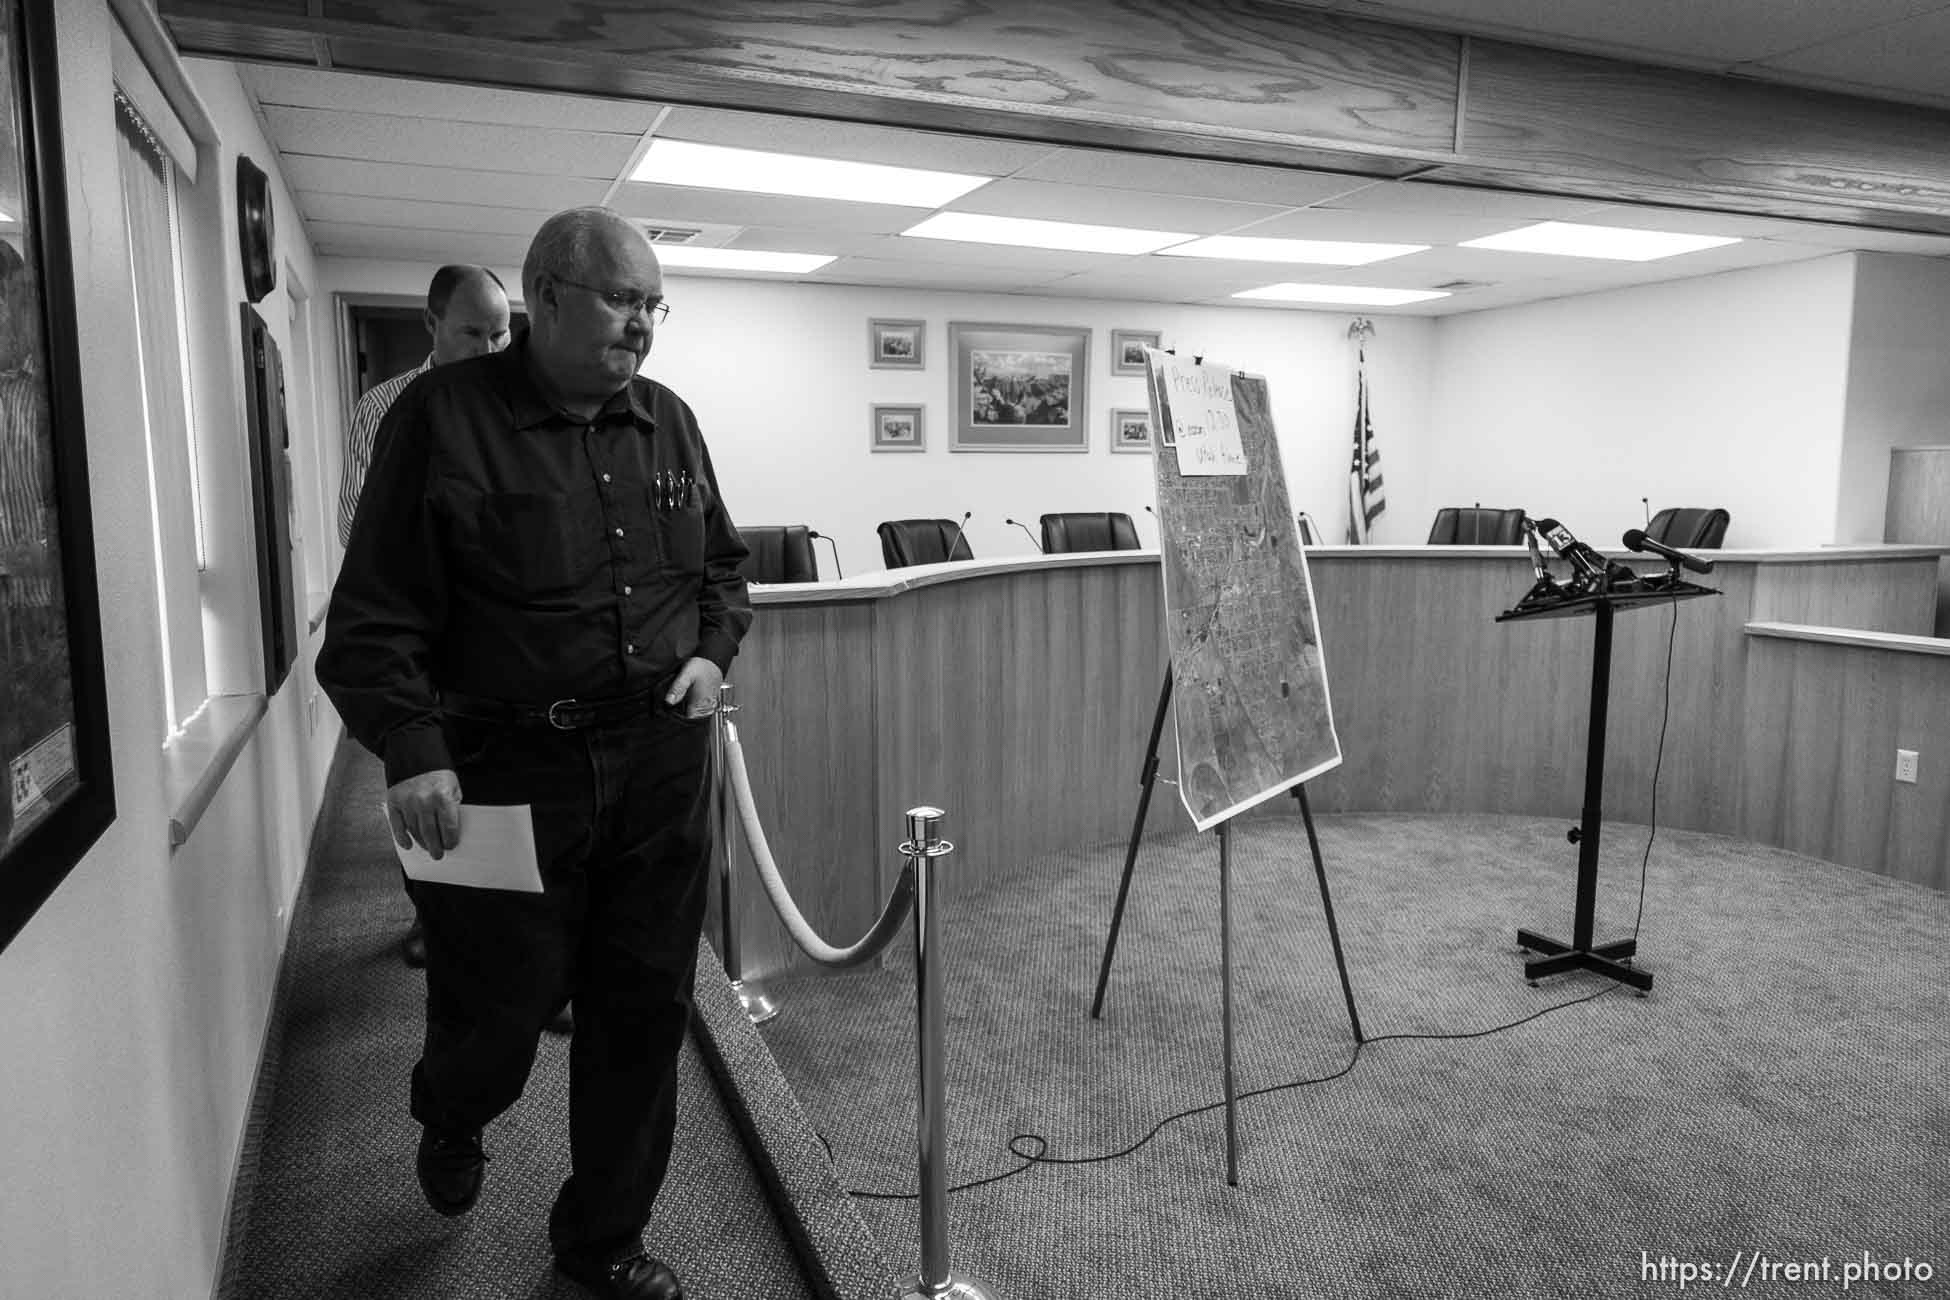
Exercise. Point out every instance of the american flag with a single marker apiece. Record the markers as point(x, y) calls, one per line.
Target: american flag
point(1365, 501)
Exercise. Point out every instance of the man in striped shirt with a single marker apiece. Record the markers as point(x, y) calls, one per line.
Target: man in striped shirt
point(467, 315)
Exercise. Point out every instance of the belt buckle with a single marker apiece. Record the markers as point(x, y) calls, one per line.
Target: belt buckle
point(556, 722)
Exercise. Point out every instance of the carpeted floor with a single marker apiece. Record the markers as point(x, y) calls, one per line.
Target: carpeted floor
point(1784, 1091)
point(327, 1204)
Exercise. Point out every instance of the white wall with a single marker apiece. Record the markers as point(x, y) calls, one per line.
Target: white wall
point(778, 375)
point(1727, 390)
point(1898, 380)
point(133, 1004)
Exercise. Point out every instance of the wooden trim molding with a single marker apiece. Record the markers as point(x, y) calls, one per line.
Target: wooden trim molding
point(1227, 80)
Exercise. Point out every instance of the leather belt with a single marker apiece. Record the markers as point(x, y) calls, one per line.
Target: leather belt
point(563, 715)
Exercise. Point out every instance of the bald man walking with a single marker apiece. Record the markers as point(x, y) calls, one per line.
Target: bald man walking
point(537, 607)
point(467, 316)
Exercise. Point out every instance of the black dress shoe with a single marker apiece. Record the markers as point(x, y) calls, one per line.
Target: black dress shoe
point(450, 1165)
point(637, 1278)
point(413, 948)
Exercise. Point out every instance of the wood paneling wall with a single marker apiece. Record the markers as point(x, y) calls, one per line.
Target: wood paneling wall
point(1918, 510)
point(1234, 80)
point(1820, 740)
point(1018, 695)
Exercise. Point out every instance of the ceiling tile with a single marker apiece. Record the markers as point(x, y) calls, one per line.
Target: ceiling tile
point(439, 184)
point(353, 210)
point(384, 242)
point(1377, 227)
point(432, 142)
point(680, 203)
point(1047, 201)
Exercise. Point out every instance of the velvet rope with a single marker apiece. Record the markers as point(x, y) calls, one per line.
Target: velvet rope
point(869, 946)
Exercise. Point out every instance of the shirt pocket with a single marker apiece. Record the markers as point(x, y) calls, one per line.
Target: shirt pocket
point(531, 544)
point(680, 534)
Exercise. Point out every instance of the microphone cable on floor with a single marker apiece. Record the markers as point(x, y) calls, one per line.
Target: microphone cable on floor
point(1039, 1156)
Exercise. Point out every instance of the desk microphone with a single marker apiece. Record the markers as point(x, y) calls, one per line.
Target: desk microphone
point(955, 541)
point(814, 532)
point(1025, 528)
point(1636, 540)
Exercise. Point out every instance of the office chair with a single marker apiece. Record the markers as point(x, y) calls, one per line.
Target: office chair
point(779, 553)
point(921, 541)
point(1476, 526)
point(1089, 531)
point(1690, 529)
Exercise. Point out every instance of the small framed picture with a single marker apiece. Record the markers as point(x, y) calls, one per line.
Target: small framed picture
point(897, 428)
point(1130, 429)
point(897, 344)
point(1127, 349)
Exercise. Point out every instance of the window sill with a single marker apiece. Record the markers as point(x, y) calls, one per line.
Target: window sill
point(198, 759)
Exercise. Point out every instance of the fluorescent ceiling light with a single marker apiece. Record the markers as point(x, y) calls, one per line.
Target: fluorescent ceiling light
point(1357, 295)
point(976, 228)
point(1567, 239)
point(717, 167)
point(1323, 252)
point(739, 259)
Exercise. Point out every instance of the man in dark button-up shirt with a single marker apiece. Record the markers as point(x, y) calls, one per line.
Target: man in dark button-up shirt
point(538, 604)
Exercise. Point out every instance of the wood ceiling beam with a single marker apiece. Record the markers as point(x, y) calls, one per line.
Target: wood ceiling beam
point(1229, 80)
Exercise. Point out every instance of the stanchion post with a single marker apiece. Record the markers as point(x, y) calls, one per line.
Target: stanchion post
point(936, 1281)
point(758, 1005)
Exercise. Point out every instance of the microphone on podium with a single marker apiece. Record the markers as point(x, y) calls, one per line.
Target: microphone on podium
point(1025, 528)
point(814, 532)
point(1636, 540)
point(1591, 571)
point(955, 541)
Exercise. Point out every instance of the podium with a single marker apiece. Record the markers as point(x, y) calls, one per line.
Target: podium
point(1609, 959)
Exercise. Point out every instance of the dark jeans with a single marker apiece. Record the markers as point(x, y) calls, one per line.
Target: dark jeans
point(622, 832)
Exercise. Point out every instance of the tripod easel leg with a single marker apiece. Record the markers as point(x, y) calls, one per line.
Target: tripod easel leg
point(1327, 903)
point(1148, 780)
point(1225, 998)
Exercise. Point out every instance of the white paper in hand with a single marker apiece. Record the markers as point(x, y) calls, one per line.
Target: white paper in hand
point(496, 851)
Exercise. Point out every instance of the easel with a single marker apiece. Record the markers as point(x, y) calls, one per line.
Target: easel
point(1147, 781)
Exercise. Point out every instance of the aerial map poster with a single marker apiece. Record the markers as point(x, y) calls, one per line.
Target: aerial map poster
point(1249, 683)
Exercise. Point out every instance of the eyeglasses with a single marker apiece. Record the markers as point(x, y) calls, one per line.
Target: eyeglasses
point(624, 303)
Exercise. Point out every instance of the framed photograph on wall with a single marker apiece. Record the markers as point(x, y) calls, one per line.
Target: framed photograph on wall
point(898, 428)
point(1127, 349)
point(56, 791)
point(1130, 429)
point(897, 344)
point(1018, 387)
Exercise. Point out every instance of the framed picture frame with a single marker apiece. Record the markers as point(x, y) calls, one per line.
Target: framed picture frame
point(1127, 349)
point(897, 344)
point(56, 779)
point(1018, 387)
point(898, 427)
point(1130, 429)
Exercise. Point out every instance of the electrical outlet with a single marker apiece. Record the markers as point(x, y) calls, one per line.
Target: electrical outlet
point(1906, 765)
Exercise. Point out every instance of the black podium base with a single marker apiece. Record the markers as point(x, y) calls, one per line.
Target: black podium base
point(1561, 957)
